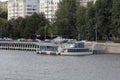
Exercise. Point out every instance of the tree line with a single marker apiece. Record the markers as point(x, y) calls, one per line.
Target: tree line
point(27, 27)
point(100, 20)
point(95, 21)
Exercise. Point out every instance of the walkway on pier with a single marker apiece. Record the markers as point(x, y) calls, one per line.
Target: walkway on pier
point(15, 45)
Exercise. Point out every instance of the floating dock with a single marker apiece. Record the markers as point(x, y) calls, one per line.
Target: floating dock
point(15, 45)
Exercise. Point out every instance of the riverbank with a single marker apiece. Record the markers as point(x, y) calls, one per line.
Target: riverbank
point(111, 48)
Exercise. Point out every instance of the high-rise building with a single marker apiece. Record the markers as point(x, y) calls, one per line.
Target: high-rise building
point(22, 8)
point(3, 6)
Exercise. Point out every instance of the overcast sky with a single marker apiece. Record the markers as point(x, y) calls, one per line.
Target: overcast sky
point(3, 0)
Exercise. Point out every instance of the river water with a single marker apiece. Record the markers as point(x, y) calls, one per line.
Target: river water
point(26, 65)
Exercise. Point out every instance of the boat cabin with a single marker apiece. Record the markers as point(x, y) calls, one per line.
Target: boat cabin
point(49, 48)
point(76, 48)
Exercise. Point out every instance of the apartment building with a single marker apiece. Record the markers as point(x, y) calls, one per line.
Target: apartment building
point(22, 8)
point(3, 6)
point(49, 7)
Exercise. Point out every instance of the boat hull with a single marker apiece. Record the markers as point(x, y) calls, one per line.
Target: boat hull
point(48, 53)
point(75, 53)
point(64, 53)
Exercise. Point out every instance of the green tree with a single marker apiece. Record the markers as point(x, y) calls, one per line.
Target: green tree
point(116, 18)
point(14, 23)
point(33, 23)
point(66, 18)
point(3, 23)
point(91, 21)
point(81, 22)
point(52, 30)
point(103, 17)
point(3, 15)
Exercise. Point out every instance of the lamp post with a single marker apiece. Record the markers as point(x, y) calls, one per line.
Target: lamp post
point(96, 35)
point(1, 31)
point(78, 35)
point(47, 18)
point(45, 32)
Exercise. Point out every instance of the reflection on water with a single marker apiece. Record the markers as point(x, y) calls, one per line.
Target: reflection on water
point(23, 65)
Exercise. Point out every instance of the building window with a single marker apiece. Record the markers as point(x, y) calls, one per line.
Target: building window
point(29, 5)
point(29, 12)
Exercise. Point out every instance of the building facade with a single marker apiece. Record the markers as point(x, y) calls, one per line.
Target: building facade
point(22, 8)
point(84, 2)
point(49, 7)
point(3, 6)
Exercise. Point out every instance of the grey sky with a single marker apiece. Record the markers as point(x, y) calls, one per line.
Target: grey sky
point(3, 0)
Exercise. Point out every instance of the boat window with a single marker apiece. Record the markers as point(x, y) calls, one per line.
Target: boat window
point(49, 48)
point(79, 45)
point(78, 50)
point(42, 48)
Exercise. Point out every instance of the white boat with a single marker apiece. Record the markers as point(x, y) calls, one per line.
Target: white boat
point(49, 48)
point(76, 48)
